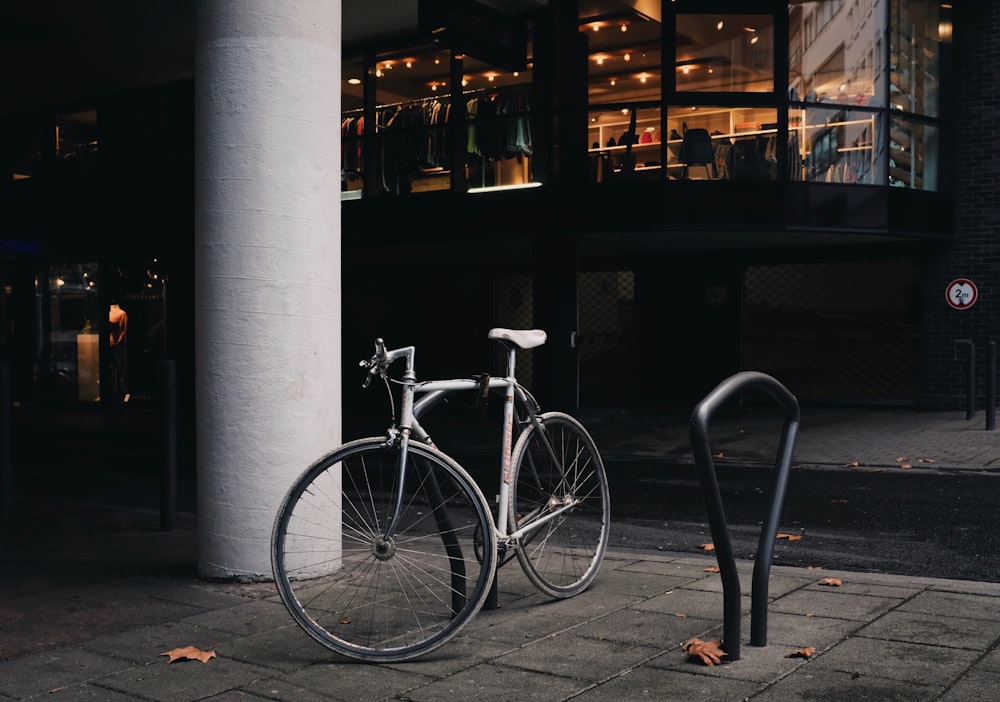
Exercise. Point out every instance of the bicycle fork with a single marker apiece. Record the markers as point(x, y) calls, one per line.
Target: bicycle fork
point(385, 546)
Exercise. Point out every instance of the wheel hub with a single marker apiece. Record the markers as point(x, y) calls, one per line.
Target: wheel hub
point(383, 548)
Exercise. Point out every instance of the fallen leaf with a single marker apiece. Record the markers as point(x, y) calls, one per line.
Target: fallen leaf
point(717, 455)
point(832, 582)
point(852, 464)
point(906, 466)
point(189, 653)
point(680, 616)
point(901, 459)
point(345, 621)
point(712, 569)
point(926, 460)
point(707, 547)
point(708, 651)
point(790, 537)
point(810, 614)
point(802, 652)
point(815, 567)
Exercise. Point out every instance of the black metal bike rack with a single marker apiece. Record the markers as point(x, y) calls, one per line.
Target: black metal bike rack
point(716, 514)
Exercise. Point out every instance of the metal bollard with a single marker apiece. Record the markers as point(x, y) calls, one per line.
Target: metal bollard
point(991, 386)
point(970, 376)
point(6, 469)
point(168, 475)
point(716, 514)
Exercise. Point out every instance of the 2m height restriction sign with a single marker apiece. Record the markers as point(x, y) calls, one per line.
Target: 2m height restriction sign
point(961, 293)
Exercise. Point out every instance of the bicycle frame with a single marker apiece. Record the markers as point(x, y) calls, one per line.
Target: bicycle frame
point(433, 391)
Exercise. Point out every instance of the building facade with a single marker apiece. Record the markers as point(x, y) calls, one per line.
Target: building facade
point(675, 190)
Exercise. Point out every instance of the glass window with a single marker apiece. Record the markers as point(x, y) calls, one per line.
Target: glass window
point(725, 53)
point(352, 127)
point(625, 57)
point(499, 146)
point(727, 143)
point(835, 52)
point(917, 30)
point(625, 141)
point(75, 323)
point(412, 109)
point(835, 145)
point(913, 154)
point(76, 142)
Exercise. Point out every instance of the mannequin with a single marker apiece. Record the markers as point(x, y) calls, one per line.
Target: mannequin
point(118, 334)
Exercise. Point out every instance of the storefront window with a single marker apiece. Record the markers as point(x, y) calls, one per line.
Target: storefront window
point(625, 142)
point(624, 57)
point(725, 53)
point(352, 127)
point(722, 143)
point(76, 142)
point(917, 30)
point(499, 147)
point(835, 145)
point(913, 154)
point(75, 325)
point(836, 52)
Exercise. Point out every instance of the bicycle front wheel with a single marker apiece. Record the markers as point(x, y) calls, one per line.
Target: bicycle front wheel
point(560, 498)
point(377, 596)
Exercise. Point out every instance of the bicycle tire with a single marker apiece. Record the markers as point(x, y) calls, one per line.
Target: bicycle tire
point(366, 597)
point(562, 556)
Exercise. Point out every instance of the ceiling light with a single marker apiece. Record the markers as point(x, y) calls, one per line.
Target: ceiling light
point(354, 81)
point(627, 56)
point(624, 27)
point(719, 25)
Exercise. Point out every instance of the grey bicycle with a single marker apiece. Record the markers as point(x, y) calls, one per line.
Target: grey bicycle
point(385, 549)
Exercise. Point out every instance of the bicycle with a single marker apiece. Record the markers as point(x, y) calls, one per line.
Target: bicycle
point(386, 548)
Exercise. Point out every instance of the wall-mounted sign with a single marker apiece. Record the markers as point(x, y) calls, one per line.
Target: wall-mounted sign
point(961, 293)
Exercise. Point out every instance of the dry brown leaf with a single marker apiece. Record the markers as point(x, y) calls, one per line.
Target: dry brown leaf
point(810, 614)
point(717, 455)
point(345, 621)
point(790, 537)
point(906, 466)
point(805, 652)
point(707, 547)
point(815, 567)
point(712, 569)
point(188, 653)
point(926, 460)
point(852, 464)
point(832, 582)
point(680, 616)
point(901, 459)
point(708, 651)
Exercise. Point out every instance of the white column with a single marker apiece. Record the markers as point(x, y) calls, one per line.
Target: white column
point(267, 265)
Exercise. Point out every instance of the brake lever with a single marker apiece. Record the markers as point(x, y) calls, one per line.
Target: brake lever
point(375, 364)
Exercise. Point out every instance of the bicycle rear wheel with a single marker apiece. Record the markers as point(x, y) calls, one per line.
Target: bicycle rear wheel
point(559, 469)
point(377, 597)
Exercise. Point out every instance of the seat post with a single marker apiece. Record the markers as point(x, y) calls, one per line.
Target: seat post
point(510, 360)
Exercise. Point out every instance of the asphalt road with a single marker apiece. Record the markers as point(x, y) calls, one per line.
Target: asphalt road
point(901, 522)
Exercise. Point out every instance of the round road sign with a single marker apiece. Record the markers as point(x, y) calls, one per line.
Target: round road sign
point(961, 293)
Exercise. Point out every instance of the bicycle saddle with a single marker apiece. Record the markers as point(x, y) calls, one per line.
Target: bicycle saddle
point(522, 338)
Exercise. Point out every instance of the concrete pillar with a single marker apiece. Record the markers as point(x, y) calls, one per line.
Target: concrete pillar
point(267, 265)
